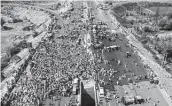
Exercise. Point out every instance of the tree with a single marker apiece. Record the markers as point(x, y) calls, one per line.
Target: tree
point(16, 20)
point(4, 62)
point(2, 22)
point(169, 15)
point(5, 59)
point(35, 34)
point(162, 23)
point(169, 25)
point(147, 29)
point(159, 47)
point(14, 50)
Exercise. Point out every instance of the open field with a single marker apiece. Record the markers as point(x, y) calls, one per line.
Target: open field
point(140, 89)
point(162, 10)
point(146, 89)
point(15, 35)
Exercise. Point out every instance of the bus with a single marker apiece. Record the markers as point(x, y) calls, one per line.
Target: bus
point(75, 86)
point(74, 90)
point(101, 92)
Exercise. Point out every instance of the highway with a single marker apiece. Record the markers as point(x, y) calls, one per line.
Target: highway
point(120, 55)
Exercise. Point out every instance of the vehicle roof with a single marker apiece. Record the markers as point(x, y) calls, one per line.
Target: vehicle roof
point(101, 90)
point(75, 80)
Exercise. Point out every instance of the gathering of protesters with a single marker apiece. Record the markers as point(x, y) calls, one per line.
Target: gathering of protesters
point(55, 63)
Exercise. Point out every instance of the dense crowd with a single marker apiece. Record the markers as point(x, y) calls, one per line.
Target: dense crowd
point(53, 67)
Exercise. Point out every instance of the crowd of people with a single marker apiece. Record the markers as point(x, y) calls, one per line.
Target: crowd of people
point(58, 61)
point(56, 64)
point(53, 67)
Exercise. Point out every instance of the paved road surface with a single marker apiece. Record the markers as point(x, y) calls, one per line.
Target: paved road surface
point(118, 55)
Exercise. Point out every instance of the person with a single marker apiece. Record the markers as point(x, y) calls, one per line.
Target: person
point(117, 82)
point(119, 62)
point(126, 65)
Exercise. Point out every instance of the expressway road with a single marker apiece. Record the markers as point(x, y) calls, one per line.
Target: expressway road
point(139, 69)
point(120, 55)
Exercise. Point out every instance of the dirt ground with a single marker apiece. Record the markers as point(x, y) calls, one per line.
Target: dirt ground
point(15, 35)
point(143, 89)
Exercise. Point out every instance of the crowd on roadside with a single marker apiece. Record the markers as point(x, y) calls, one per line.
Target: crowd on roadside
point(54, 65)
